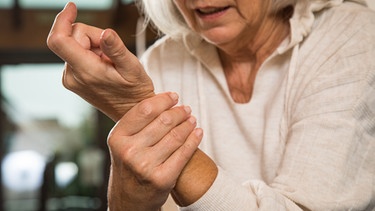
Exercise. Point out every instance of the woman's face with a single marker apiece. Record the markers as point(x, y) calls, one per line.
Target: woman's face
point(222, 21)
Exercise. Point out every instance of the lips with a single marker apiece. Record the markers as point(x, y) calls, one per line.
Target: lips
point(211, 10)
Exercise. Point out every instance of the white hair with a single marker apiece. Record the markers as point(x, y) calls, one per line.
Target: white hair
point(164, 15)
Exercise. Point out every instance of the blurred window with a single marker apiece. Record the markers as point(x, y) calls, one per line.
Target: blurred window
point(47, 130)
point(6, 3)
point(127, 1)
point(35, 91)
point(57, 4)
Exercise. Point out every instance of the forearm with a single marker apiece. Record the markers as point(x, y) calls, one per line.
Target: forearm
point(196, 178)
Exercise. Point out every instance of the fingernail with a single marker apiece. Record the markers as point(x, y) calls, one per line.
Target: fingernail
point(67, 5)
point(173, 95)
point(187, 109)
point(108, 37)
point(192, 120)
point(199, 132)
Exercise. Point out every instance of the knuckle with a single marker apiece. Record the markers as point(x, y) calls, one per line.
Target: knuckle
point(115, 138)
point(66, 84)
point(117, 48)
point(175, 136)
point(78, 29)
point(119, 52)
point(166, 119)
point(77, 25)
point(129, 153)
point(54, 41)
point(111, 140)
point(69, 82)
point(142, 168)
point(146, 108)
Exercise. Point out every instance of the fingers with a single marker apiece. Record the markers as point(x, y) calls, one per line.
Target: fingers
point(103, 51)
point(64, 20)
point(122, 58)
point(62, 42)
point(176, 162)
point(174, 139)
point(87, 36)
point(167, 123)
point(161, 168)
point(62, 29)
point(144, 113)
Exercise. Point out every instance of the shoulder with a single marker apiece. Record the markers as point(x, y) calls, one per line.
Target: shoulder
point(343, 35)
point(336, 65)
point(345, 25)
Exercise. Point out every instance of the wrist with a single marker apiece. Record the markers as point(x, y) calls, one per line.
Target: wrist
point(124, 196)
point(119, 110)
point(195, 180)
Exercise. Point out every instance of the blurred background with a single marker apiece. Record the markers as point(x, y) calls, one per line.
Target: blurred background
point(53, 152)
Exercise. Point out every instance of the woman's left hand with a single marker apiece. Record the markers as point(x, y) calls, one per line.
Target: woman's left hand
point(149, 148)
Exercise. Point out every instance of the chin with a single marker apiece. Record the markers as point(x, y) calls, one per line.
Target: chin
point(217, 40)
point(221, 35)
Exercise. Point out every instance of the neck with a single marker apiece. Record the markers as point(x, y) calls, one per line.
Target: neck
point(242, 58)
point(257, 45)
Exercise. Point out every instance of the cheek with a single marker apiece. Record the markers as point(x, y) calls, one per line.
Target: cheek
point(188, 15)
point(253, 12)
point(189, 19)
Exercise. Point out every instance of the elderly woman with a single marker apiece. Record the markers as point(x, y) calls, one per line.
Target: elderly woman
point(283, 90)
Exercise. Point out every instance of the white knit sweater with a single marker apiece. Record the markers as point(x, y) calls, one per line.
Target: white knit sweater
point(306, 140)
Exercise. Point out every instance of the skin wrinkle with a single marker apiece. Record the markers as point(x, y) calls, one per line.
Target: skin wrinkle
point(245, 38)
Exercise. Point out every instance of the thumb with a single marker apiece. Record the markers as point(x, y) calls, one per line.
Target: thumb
point(125, 62)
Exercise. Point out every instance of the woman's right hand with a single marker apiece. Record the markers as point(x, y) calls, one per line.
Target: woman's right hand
point(149, 147)
point(99, 68)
